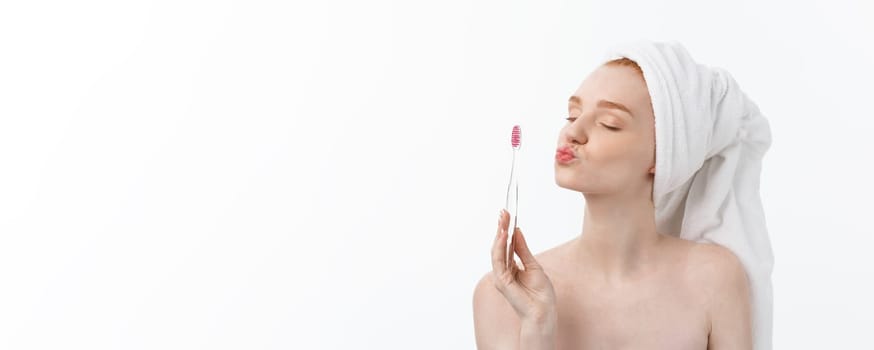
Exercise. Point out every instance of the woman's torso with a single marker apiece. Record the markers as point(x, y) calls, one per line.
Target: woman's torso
point(664, 310)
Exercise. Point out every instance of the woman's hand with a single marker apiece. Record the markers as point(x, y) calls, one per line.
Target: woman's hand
point(529, 291)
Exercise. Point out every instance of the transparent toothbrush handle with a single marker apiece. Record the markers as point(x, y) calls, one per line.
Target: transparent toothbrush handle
point(513, 187)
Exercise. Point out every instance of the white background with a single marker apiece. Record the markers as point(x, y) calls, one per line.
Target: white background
point(327, 175)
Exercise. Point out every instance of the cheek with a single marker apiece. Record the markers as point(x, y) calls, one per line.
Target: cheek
point(625, 154)
point(642, 157)
point(609, 148)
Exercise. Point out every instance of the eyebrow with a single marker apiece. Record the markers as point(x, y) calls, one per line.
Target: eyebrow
point(574, 100)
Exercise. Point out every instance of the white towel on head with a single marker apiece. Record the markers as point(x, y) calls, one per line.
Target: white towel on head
point(710, 141)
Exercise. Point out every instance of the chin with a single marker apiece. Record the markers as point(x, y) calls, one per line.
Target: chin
point(571, 185)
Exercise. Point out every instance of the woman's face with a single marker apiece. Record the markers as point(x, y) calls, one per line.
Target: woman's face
point(609, 160)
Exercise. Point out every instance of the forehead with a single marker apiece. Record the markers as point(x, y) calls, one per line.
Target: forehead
point(617, 83)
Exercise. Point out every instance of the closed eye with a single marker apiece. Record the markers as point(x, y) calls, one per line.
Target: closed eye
point(571, 119)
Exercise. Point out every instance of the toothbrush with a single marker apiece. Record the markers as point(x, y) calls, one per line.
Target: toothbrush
point(516, 143)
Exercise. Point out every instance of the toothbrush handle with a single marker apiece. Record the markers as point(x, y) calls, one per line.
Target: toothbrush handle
point(514, 184)
point(510, 185)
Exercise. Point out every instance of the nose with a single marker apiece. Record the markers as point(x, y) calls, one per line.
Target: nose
point(574, 133)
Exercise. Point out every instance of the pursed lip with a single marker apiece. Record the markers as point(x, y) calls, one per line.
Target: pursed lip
point(565, 151)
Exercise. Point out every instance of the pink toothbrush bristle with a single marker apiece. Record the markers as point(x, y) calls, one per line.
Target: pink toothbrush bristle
point(516, 139)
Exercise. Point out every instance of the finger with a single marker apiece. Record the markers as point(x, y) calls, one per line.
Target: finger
point(510, 287)
point(524, 252)
point(504, 277)
point(499, 252)
point(510, 259)
point(515, 267)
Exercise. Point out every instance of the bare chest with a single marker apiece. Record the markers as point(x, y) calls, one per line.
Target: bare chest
point(663, 312)
point(630, 320)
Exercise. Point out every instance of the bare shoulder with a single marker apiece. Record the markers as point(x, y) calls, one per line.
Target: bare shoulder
point(556, 260)
point(714, 265)
point(496, 325)
point(724, 281)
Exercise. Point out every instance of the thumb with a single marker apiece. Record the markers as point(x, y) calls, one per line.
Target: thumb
point(524, 253)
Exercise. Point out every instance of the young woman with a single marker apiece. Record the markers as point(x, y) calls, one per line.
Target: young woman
point(620, 284)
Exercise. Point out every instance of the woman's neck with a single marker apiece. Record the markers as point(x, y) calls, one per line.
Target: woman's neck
point(619, 237)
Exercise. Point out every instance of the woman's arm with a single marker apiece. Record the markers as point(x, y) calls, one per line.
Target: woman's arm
point(730, 309)
point(515, 302)
point(538, 334)
point(497, 326)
